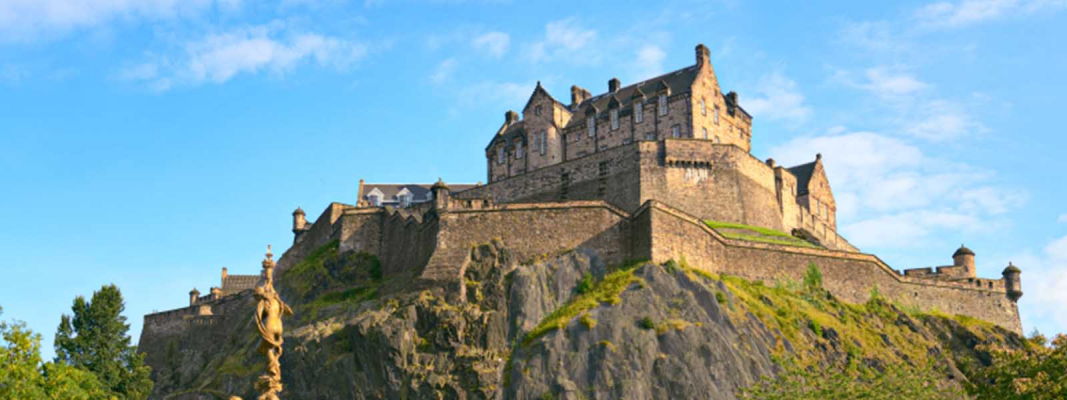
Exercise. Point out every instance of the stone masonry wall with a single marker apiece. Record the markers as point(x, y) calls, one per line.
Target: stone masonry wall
point(850, 276)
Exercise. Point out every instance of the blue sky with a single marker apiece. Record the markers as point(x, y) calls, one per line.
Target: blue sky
point(150, 143)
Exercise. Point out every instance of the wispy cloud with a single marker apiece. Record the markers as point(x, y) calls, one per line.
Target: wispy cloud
point(1046, 286)
point(1062, 218)
point(649, 61)
point(779, 99)
point(564, 39)
point(890, 194)
point(219, 57)
point(967, 12)
point(941, 120)
point(29, 20)
point(443, 71)
point(492, 43)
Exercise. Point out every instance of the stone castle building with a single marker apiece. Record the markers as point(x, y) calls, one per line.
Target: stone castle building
point(657, 170)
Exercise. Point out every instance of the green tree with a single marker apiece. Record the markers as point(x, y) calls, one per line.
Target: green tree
point(96, 339)
point(1036, 372)
point(22, 376)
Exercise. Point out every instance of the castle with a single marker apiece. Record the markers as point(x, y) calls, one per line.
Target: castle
point(657, 170)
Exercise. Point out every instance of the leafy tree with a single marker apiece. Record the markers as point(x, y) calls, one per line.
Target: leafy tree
point(852, 382)
point(1037, 371)
point(96, 339)
point(22, 376)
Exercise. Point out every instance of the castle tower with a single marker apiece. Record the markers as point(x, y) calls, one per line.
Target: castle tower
point(216, 293)
point(964, 257)
point(1012, 283)
point(440, 193)
point(193, 296)
point(299, 223)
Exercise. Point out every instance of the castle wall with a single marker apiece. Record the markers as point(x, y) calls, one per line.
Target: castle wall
point(322, 231)
point(361, 230)
point(407, 242)
point(849, 276)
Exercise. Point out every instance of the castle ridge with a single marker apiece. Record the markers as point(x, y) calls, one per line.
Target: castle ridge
point(656, 170)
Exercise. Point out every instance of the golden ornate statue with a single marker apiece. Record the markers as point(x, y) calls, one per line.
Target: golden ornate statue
point(269, 311)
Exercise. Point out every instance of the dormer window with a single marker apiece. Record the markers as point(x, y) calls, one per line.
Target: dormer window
point(500, 154)
point(663, 104)
point(375, 200)
point(403, 200)
point(614, 118)
point(703, 107)
point(639, 112)
point(590, 124)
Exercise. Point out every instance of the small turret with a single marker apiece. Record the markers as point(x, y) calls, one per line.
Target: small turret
point(299, 223)
point(1012, 284)
point(194, 295)
point(441, 194)
point(964, 257)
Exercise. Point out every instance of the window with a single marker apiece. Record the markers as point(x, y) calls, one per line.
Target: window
point(537, 111)
point(650, 136)
point(518, 149)
point(716, 115)
point(536, 138)
point(544, 138)
point(639, 112)
point(816, 206)
point(716, 139)
point(500, 155)
point(614, 118)
point(590, 124)
point(703, 107)
point(375, 201)
point(740, 133)
point(705, 132)
point(676, 131)
point(662, 104)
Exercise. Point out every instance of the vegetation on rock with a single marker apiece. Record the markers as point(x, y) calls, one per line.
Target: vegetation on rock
point(1037, 371)
point(750, 233)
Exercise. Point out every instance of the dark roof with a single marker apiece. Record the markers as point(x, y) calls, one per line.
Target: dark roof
point(508, 134)
point(963, 250)
point(679, 81)
point(1011, 268)
point(237, 283)
point(541, 89)
point(803, 173)
point(420, 191)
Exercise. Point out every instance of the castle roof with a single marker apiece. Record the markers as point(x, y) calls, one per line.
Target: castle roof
point(679, 81)
point(803, 172)
point(421, 192)
point(237, 283)
point(508, 134)
point(1011, 269)
point(963, 250)
point(541, 89)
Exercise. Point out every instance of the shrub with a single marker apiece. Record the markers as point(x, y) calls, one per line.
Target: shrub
point(646, 323)
point(585, 284)
point(813, 278)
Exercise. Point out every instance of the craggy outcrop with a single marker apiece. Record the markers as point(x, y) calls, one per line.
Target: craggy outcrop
point(563, 326)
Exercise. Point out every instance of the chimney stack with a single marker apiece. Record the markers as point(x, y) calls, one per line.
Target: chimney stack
point(578, 95)
point(703, 55)
point(613, 85)
point(511, 117)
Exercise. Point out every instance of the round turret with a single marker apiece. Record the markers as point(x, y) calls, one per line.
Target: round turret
point(299, 222)
point(964, 257)
point(440, 194)
point(1012, 283)
point(193, 296)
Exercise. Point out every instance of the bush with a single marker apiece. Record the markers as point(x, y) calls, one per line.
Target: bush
point(585, 284)
point(813, 278)
point(646, 323)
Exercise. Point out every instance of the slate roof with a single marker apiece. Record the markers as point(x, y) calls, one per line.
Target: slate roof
point(803, 173)
point(420, 191)
point(237, 283)
point(679, 81)
point(963, 250)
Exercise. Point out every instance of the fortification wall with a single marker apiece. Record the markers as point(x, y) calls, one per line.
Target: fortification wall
point(322, 231)
point(530, 231)
point(850, 276)
point(176, 321)
point(407, 242)
point(361, 230)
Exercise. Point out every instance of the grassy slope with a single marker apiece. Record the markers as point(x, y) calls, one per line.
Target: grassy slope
point(751, 233)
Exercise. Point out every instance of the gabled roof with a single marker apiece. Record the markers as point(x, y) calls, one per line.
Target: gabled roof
point(803, 173)
point(418, 190)
point(508, 134)
point(542, 90)
point(679, 81)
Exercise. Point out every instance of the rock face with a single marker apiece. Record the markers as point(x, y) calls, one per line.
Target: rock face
point(663, 332)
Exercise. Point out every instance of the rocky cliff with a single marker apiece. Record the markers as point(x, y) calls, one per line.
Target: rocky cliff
point(563, 326)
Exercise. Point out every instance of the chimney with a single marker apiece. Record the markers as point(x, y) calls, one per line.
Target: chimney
point(770, 162)
point(703, 55)
point(511, 117)
point(731, 98)
point(613, 85)
point(578, 95)
point(224, 274)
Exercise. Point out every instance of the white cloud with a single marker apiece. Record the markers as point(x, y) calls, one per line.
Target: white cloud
point(941, 120)
point(564, 39)
point(779, 100)
point(1062, 218)
point(649, 61)
point(1044, 280)
point(891, 195)
point(966, 12)
point(27, 20)
point(443, 71)
point(219, 57)
point(489, 92)
point(885, 83)
point(493, 43)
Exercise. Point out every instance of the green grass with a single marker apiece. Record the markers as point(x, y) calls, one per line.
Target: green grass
point(756, 234)
point(605, 291)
